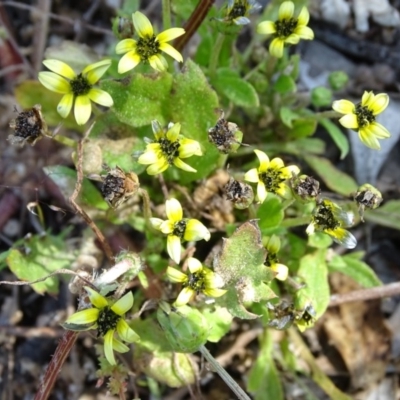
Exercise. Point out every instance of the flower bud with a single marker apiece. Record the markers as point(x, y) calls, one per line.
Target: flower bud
point(239, 193)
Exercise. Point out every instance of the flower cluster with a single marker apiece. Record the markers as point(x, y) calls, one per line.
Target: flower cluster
point(107, 316)
point(271, 176)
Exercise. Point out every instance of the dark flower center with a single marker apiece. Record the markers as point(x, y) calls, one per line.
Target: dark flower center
point(80, 85)
point(272, 179)
point(272, 258)
point(285, 27)
point(107, 320)
point(169, 149)
point(179, 228)
point(325, 218)
point(364, 116)
point(147, 47)
point(238, 10)
point(196, 282)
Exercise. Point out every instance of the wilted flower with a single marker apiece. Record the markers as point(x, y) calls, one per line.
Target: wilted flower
point(361, 117)
point(367, 196)
point(107, 316)
point(329, 218)
point(305, 187)
point(287, 29)
point(168, 148)
point(238, 11)
point(200, 280)
point(148, 47)
point(270, 176)
point(239, 193)
point(178, 228)
point(76, 89)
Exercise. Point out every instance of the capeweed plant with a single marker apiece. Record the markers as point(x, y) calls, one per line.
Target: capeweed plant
point(217, 214)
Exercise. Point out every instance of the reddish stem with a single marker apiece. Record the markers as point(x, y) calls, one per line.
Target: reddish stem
point(193, 23)
point(54, 368)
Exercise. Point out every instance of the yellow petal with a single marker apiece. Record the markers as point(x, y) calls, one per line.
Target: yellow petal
point(379, 130)
point(84, 317)
point(54, 82)
point(261, 192)
point(379, 103)
point(174, 248)
point(276, 163)
point(252, 175)
point(167, 227)
point(304, 32)
point(82, 109)
point(149, 157)
point(119, 347)
point(60, 68)
point(128, 62)
point(264, 160)
point(174, 275)
point(171, 51)
point(96, 298)
point(156, 222)
point(310, 229)
point(282, 271)
point(158, 62)
point(266, 28)
point(173, 210)
point(100, 97)
point(195, 231)
point(108, 346)
point(184, 297)
point(293, 39)
point(182, 165)
point(95, 71)
point(214, 292)
point(276, 48)
point(170, 34)
point(173, 132)
point(126, 333)
point(343, 106)
point(126, 45)
point(189, 148)
point(123, 305)
point(157, 168)
point(349, 121)
point(303, 17)
point(369, 139)
point(142, 25)
point(286, 10)
point(366, 98)
point(194, 265)
point(65, 105)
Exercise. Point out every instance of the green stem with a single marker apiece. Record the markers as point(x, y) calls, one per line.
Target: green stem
point(166, 11)
point(215, 54)
point(65, 141)
point(239, 392)
point(221, 161)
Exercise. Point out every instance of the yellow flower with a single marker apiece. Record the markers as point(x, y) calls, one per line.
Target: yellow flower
point(200, 280)
point(168, 148)
point(148, 47)
point(329, 218)
point(237, 11)
point(361, 117)
point(178, 228)
point(287, 29)
point(271, 176)
point(272, 261)
point(107, 317)
point(76, 88)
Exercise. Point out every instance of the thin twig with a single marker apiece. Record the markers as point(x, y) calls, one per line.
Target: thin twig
point(78, 209)
point(41, 28)
point(379, 292)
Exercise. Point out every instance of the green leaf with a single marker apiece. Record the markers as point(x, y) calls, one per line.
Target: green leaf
point(336, 180)
point(337, 136)
point(65, 179)
point(29, 93)
point(285, 84)
point(387, 215)
point(263, 380)
point(42, 256)
point(235, 88)
point(219, 319)
point(358, 270)
point(288, 116)
point(140, 98)
point(320, 240)
point(302, 128)
point(193, 104)
point(270, 214)
point(321, 97)
point(241, 266)
point(314, 272)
